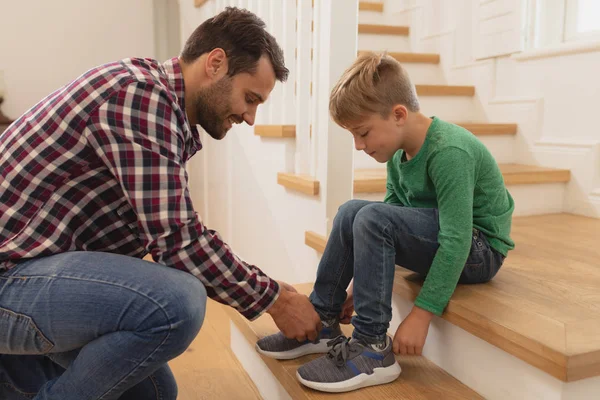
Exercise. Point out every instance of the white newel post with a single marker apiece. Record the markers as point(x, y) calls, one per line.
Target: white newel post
point(302, 85)
point(338, 23)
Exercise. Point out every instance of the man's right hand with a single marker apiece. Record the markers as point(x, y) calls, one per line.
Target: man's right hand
point(295, 316)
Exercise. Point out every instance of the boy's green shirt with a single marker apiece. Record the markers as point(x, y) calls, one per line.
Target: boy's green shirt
point(455, 173)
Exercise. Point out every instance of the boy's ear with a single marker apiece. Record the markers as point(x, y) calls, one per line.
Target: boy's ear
point(400, 113)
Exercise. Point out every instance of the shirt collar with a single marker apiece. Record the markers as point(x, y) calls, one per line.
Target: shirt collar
point(172, 68)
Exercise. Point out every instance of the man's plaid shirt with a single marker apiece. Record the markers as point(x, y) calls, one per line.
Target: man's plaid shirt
point(99, 165)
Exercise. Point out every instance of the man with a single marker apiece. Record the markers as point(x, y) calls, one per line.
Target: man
point(92, 179)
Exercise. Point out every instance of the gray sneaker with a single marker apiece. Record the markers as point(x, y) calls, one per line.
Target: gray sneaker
point(279, 347)
point(350, 364)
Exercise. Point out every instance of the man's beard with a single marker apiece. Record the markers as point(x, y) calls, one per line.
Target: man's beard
point(212, 107)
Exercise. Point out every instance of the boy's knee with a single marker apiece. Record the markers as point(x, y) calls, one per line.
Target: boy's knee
point(369, 218)
point(349, 209)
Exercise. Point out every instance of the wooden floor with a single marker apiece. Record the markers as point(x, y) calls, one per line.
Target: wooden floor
point(208, 370)
point(544, 304)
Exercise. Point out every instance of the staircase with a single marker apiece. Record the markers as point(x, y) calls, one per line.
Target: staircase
point(531, 333)
point(523, 322)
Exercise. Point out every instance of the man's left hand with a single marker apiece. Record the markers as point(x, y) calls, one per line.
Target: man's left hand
point(411, 334)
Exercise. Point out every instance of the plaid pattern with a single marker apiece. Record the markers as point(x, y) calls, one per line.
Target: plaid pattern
point(99, 165)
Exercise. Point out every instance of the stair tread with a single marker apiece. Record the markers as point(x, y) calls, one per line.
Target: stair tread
point(445, 90)
point(420, 378)
point(543, 306)
point(380, 29)
point(376, 6)
point(299, 182)
point(477, 128)
point(486, 128)
point(427, 58)
point(374, 180)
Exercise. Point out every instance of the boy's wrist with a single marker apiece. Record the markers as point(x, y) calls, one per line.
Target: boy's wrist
point(422, 314)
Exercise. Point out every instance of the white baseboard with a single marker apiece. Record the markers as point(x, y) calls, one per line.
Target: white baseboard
point(488, 370)
point(266, 383)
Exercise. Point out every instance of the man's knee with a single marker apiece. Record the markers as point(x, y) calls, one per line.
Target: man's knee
point(187, 306)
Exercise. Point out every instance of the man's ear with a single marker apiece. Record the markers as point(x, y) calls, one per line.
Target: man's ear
point(217, 64)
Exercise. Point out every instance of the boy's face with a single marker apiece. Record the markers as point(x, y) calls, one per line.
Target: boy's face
point(379, 137)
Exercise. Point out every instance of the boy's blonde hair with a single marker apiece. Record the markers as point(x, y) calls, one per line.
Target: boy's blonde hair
point(374, 83)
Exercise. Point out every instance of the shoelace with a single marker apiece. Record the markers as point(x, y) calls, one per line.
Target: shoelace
point(340, 349)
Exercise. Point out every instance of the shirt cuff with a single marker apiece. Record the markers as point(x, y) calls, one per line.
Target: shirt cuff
point(419, 302)
point(264, 302)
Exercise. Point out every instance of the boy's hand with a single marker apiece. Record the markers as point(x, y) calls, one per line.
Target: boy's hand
point(412, 332)
point(347, 309)
point(348, 306)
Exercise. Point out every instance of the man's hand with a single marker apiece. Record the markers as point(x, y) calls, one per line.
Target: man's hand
point(295, 316)
point(347, 307)
point(287, 286)
point(411, 334)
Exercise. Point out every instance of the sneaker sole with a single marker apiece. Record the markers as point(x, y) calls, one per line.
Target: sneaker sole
point(309, 348)
point(379, 376)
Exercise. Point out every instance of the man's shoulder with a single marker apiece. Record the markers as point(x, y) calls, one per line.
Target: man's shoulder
point(119, 74)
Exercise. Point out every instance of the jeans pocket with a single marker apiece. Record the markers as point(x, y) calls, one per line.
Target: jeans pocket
point(20, 335)
point(476, 268)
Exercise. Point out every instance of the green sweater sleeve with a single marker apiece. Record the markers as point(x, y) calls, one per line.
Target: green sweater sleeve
point(390, 195)
point(452, 171)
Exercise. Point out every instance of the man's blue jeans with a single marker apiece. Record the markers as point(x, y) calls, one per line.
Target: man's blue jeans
point(368, 239)
point(90, 325)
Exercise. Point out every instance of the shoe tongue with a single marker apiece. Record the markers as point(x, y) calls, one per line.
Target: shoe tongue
point(378, 346)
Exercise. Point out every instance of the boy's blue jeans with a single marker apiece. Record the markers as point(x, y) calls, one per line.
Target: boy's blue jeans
point(91, 325)
point(368, 239)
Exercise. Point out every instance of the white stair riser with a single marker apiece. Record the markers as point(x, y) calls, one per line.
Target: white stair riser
point(266, 383)
point(451, 108)
point(425, 74)
point(378, 43)
point(537, 199)
point(526, 197)
point(501, 147)
point(488, 370)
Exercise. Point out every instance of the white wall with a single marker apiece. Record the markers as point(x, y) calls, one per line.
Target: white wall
point(46, 44)
point(553, 99)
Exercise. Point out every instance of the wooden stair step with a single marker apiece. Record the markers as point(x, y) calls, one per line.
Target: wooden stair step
point(298, 182)
point(383, 29)
point(376, 6)
point(420, 378)
point(445, 90)
point(425, 58)
point(478, 129)
point(543, 307)
point(275, 131)
point(485, 129)
point(374, 180)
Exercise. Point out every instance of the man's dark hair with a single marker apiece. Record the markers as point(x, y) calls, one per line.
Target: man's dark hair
point(242, 36)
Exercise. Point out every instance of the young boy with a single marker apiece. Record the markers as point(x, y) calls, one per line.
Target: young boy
point(446, 215)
